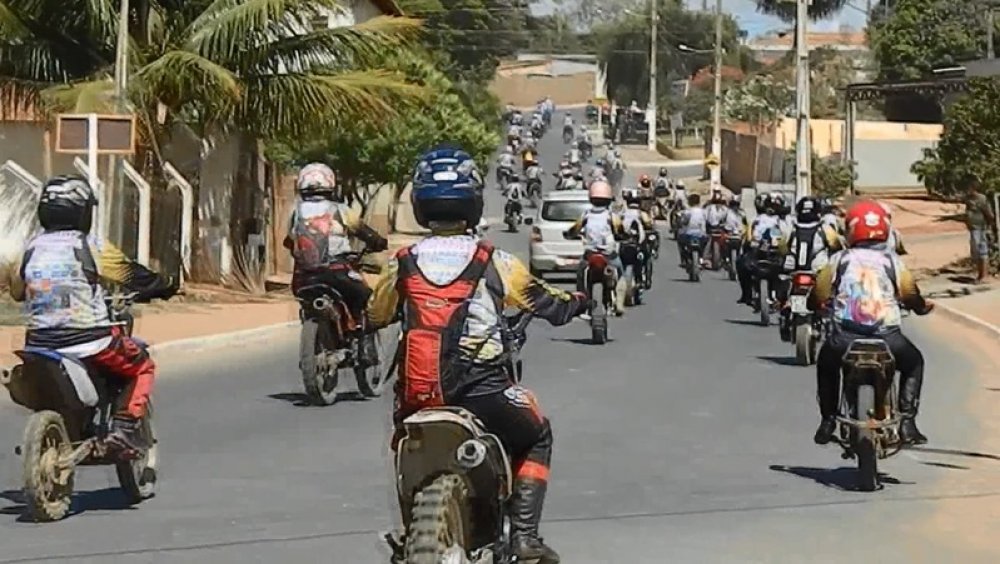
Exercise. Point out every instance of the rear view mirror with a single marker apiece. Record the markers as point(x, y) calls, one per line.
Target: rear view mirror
point(529, 220)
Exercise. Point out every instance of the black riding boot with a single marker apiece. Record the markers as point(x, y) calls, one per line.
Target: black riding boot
point(526, 513)
point(909, 404)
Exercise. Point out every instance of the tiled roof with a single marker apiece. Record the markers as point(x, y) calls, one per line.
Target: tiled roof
point(814, 39)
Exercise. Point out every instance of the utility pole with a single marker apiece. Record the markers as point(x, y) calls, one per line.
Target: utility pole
point(990, 54)
point(803, 147)
point(117, 194)
point(651, 106)
point(716, 169)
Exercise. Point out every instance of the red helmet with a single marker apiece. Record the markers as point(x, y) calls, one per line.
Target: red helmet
point(867, 221)
point(645, 181)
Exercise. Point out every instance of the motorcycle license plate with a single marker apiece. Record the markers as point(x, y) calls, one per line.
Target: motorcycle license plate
point(799, 304)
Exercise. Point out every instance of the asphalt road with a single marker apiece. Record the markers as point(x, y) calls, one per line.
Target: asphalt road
point(685, 439)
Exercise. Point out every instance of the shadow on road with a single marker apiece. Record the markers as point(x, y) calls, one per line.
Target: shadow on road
point(579, 341)
point(747, 322)
point(107, 499)
point(956, 452)
point(944, 465)
point(781, 360)
point(843, 478)
point(298, 399)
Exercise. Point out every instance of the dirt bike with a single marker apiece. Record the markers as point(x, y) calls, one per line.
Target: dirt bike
point(73, 412)
point(675, 220)
point(599, 272)
point(632, 282)
point(504, 176)
point(567, 134)
point(717, 244)
point(767, 265)
point(870, 417)
point(691, 254)
point(804, 328)
point(512, 216)
point(534, 192)
point(331, 341)
point(661, 205)
point(652, 248)
point(454, 480)
point(586, 151)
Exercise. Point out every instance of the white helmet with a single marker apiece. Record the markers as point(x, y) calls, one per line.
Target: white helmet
point(316, 178)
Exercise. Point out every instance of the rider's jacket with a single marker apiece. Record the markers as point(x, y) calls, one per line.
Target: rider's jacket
point(867, 286)
point(533, 172)
point(506, 160)
point(895, 242)
point(736, 223)
point(680, 197)
point(319, 232)
point(514, 131)
point(574, 156)
point(635, 224)
point(60, 281)
point(514, 191)
point(831, 220)
point(600, 228)
point(765, 228)
point(505, 282)
point(809, 247)
point(716, 214)
point(567, 122)
point(694, 221)
point(661, 189)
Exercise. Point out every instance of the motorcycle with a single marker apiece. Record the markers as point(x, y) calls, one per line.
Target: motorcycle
point(592, 114)
point(586, 150)
point(804, 328)
point(691, 255)
point(454, 480)
point(652, 248)
point(331, 341)
point(512, 216)
point(73, 412)
point(504, 176)
point(675, 220)
point(717, 244)
point(732, 255)
point(567, 134)
point(632, 283)
point(767, 266)
point(599, 272)
point(534, 192)
point(870, 417)
point(661, 204)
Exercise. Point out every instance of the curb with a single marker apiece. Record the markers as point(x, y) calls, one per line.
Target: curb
point(968, 320)
point(219, 340)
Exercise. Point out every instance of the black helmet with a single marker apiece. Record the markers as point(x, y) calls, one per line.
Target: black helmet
point(66, 203)
point(775, 203)
point(760, 202)
point(807, 210)
point(664, 171)
point(825, 205)
point(735, 202)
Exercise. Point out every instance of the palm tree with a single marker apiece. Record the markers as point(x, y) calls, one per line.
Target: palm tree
point(785, 9)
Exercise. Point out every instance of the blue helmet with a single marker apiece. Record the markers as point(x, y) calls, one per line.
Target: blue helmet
point(447, 186)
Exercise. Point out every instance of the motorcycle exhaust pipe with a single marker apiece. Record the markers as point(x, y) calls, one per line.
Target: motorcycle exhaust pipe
point(322, 303)
point(470, 454)
point(5, 376)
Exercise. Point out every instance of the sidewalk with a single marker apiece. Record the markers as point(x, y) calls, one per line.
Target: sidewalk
point(980, 311)
point(641, 156)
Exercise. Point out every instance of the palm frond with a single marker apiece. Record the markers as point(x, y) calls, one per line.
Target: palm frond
point(818, 9)
point(228, 28)
point(81, 97)
point(19, 97)
point(12, 26)
point(180, 77)
point(362, 44)
point(295, 105)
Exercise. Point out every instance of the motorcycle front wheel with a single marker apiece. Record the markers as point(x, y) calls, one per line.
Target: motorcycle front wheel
point(805, 343)
point(137, 477)
point(318, 377)
point(439, 525)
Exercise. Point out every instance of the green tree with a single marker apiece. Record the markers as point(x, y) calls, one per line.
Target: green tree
point(968, 147)
point(831, 176)
point(786, 9)
point(919, 36)
point(760, 100)
point(623, 48)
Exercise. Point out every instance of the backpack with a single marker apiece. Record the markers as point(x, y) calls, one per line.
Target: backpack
point(313, 225)
point(432, 365)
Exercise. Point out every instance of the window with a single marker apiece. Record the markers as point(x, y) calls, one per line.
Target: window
point(564, 211)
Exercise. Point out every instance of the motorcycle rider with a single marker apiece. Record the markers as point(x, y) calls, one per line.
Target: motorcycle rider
point(716, 210)
point(601, 229)
point(505, 164)
point(680, 196)
point(693, 232)
point(533, 176)
point(515, 191)
point(867, 285)
point(319, 238)
point(475, 282)
point(514, 133)
point(584, 142)
point(638, 226)
point(808, 249)
point(895, 242)
point(735, 224)
point(765, 232)
point(574, 154)
point(830, 217)
point(60, 278)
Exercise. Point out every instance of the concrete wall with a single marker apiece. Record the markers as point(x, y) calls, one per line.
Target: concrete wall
point(526, 89)
point(884, 165)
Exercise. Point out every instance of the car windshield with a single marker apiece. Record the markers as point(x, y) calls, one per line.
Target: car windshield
point(564, 211)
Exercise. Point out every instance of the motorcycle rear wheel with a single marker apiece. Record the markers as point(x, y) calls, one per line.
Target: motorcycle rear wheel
point(694, 267)
point(864, 441)
point(137, 477)
point(599, 324)
point(440, 521)
point(731, 265)
point(319, 379)
point(805, 344)
point(763, 303)
point(45, 439)
point(371, 380)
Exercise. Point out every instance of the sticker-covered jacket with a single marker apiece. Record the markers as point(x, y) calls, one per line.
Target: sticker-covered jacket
point(453, 290)
point(867, 287)
point(62, 272)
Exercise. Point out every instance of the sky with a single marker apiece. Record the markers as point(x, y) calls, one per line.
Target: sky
point(755, 23)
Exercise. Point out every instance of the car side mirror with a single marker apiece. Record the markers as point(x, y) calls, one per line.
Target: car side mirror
point(529, 220)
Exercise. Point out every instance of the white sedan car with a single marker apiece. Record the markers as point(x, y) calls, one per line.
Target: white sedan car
point(549, 250)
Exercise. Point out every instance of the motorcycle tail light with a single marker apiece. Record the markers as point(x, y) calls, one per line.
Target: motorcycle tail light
point(803, 279)
point(536, 235)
